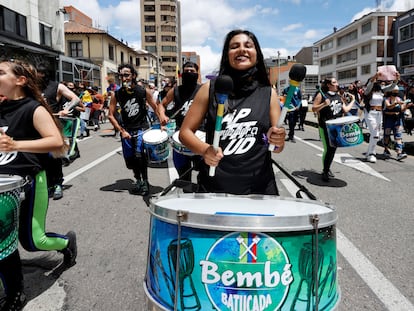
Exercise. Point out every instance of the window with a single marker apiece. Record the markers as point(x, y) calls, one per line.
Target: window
point(407, 59)
point(122, 57)
point(151, 48)
point(352, 36)
point(326, 61)
point(366, 27)
point(13, 22)
point(366, 49)
point(111, 53)
point(45, 35)
point(327, 45)
point(366, 69)
point(348, 56)
point(406, 32)
point(137, 61)
point(76, 49)
point(347, 74)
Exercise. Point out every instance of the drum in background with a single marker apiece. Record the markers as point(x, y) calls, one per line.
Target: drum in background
point(10, 196)
point(156, 145)
point(344, 132)
point(70, 127)
point(180, 148)
point(256, 252)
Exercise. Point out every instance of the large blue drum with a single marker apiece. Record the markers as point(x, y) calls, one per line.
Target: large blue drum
point(344, 132)
point(225, 252)
point(10, 197)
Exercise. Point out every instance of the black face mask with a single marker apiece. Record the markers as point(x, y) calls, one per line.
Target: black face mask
point(190, 78)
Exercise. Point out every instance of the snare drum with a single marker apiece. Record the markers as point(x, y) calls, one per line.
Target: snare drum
point(344, 132)
point(180, 148)
point(256, 252)
point(10, 194)
point(156, 145)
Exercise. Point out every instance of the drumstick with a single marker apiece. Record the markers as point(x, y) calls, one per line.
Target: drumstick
point(296, 74)
point(223, 86)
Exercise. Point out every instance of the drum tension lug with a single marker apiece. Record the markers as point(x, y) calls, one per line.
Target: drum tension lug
point(182, 215)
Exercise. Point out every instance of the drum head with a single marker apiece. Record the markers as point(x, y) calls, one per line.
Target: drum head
point(242, 213)
point(155, 136)
point(10, 182)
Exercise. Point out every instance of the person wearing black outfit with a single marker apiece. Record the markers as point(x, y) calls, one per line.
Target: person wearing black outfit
point(28, 132)
point(242, 160)
point(53, 92)
point(131, 98)
point(175, 106)
point(328, 104)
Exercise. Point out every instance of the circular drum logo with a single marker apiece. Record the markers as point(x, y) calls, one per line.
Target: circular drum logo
point(351, 134)
point(246, 271)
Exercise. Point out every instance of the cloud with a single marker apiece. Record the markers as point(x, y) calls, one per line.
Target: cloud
point(292, 27)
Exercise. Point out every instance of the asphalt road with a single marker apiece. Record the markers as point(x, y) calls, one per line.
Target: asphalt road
point(374, 227)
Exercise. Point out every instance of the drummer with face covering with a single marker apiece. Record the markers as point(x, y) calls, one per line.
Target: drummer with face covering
point(242, 160)
point(329, 105)
point(174, 106)
point(131, 98)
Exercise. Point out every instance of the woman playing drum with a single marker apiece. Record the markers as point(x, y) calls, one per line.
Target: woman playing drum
point(329, 105)
point(28, 133)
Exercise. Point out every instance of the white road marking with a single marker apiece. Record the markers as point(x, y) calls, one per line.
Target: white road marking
point(348, 160)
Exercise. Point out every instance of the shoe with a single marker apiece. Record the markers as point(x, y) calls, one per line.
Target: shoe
point(325, 176)
point(401, 156)
point(87, 132)
point(387, 154)
point(330, 174)
point(15, 303)
point(145, 187)
point(58, 193)
point(71, 251)
point(138, 187)
point(372, 158)
point(95, 128)
point(287, 139)
point(292, 140)
point(81, 136)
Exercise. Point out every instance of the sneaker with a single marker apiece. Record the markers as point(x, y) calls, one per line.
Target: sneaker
point(58, 193)
point(386, 154)
point(15, 303)
point(325, 176)
point(137, 187)
point(293, 140)
point(401, 156)
point(372, 158)
point(330, 174)
point(71, 251)
point(145, 188)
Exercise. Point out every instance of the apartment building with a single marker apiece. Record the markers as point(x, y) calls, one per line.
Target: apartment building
point(404, 45)
point(32, 29)
point(160, 34)
point(355, 51)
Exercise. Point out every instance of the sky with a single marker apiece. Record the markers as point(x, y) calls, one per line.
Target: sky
point(280, 25)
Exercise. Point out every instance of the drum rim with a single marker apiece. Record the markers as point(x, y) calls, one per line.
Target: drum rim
point(164, 136)
point(349, 118)
point(238, 222)
point(15, 182)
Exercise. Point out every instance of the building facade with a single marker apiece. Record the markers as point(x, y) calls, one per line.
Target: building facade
point(32, 29)
point(404, 45)
point(355, 51)
point(160, 33)
point(87, 44)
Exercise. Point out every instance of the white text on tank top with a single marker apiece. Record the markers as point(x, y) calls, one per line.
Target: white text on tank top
point(241, 135)
point(131, 107)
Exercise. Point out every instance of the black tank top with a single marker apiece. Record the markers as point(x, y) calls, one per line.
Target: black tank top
point(50, 94)
point(18, 116)
point(134, 111)
point(246, 166)
point(183, 99)
point(333, 111)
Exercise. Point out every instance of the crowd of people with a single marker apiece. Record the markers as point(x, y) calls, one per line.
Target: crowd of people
point(233, 158)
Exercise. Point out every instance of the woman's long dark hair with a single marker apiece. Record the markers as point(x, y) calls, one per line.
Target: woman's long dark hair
point(32, 89)
point(225, 68)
